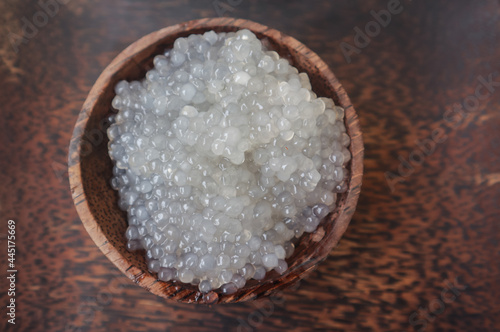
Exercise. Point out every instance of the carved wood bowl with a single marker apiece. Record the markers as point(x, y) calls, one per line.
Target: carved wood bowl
point(90, 168)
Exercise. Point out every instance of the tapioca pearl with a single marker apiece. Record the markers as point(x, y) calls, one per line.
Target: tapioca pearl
point(254, 243)
point(280, 252)
point(130, 197)
point(327, 198)
point(241, 78)
point(281, 231)
point(205, 286)
point(186, 275)
point(190, 260)
point(331, 116)
point(242, 250)
point(177, 58)
point(187, 92)
point(199, 98)
point(255, 258)
point(218, 203)
point(266, 247)
point(338, 174)
point(267, 170)
point(169, 260)
point(174, 208)
point(262, 210)
point(254, 85)
point(247, 271)
point(284, 88)
point(238, 280)
point(181, 45)
point(287, 135)
point(187, 237)
point(142, 213)
point(347, 155)
point(185, 191)
point(148, 256)
point(270, 235)
point(234, 207)
point(214, 282)
point(189, 111)
point(260, 156)
point(223, 260)
point(229, 288)
point(207, 262)
point(148, 129)
point(291, 112)
point(160, 62)
point(122, 87)
point(170, 246)
point(200, 248)
point(218, 147)
point(211, 37)
point(133, 221)
point(285, 198)
point(270, 261)
point(327, 169)
point(290, 222)
point(298, 231)
point(311, 223)
point(237, 262)
point(267, 64)
point(213, 248)
point(337, 158)
point(289, 249)
point(231, 136)
point(341, 188)
point(142, 229)
point(227, 247)
point(284, 124)
point(244, 236)
point(207, 230)
point(157, 251)
point(260, 273)
point(320, 210)
point(281, 267)
point(147, 242)
point(159, 238)
point(132, 233)
point(166, 274)
point(145, 187)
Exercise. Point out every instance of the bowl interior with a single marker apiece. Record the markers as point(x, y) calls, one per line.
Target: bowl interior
point(90, 167)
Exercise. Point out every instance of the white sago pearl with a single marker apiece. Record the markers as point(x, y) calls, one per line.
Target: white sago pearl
point(223, 156)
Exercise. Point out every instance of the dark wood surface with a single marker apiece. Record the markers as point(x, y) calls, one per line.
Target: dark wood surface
point(393, 267)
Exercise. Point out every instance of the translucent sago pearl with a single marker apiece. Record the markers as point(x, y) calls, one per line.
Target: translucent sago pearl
point(222, 157)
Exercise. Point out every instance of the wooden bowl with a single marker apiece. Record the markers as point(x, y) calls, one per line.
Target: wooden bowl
point(90, 168)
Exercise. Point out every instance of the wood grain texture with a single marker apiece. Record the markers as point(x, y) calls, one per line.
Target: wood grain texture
point(90, 168)
point(439, 224)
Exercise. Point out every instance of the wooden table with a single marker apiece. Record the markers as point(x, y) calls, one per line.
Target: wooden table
point(422, 251)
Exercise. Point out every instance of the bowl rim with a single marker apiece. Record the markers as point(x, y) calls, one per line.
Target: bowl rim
point(147, 281)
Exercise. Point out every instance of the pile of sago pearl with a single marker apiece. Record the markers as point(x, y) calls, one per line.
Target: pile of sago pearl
point(223, 155)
